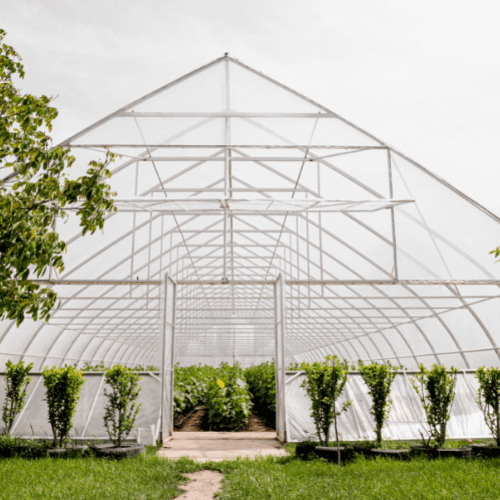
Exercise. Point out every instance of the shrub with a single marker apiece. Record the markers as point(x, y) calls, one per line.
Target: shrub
point(122, 408)
point(489, 398)
point(228, 400)
point(190, 387)
point(436, 390)
point(62, 391)
point(261, 381)
point(324, 384)
point(297, 367)
point(379, 378)
point(17, 380)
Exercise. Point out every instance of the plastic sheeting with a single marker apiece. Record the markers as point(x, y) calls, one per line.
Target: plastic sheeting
point(406, 419)
point(88, 420)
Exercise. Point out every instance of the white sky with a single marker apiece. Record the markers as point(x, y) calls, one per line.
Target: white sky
point(424, 76)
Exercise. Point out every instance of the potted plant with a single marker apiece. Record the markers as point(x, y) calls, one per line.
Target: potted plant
point(17, 381)
point(489, 402)
point(62, 393)
point(324, 384)
point(121, 412)
point(379, 378)
point(436, 390)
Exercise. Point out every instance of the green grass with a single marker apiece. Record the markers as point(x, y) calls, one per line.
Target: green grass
point(142, 478)
point(287, 478)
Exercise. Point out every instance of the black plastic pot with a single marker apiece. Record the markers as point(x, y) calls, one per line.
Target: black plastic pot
point(330, 453)
point(394, 454)
point(485, 450)
point(125, 451)
point(464, 452)
point(69, 452)
point(305, 450)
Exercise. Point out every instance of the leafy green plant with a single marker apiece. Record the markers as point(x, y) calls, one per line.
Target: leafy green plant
point(379, 377)
point(261, 381)
point(62, 392)
point(228, 399)
point(298, 366)
point(190, 386)
point(122, 408)
point(35, 192)
point(436, 390)
point(17, 381)
point(489, 398)
point(324, 384)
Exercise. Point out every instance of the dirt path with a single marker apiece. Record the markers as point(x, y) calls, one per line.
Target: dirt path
point(204, 485)
point(195, 423)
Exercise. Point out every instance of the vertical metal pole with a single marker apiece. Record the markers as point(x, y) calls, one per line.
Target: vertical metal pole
point(393, 222)
point(172, 360)
point(276, 358)
point(226, 166)
point(320, 233)
point(133, 228)
point(225, 243)
point(163, 333)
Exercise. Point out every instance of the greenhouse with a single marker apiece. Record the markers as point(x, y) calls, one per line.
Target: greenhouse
point(253, 224)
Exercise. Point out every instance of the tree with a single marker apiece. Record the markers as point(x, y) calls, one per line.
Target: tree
point(489, 398)
point(436, 390)
point(122, 408)
point(324, 384)
point(35, 192)
point(17, 381)
point(62, 394)
point(379, 378)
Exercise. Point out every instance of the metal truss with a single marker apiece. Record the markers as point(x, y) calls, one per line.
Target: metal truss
point(227, 197)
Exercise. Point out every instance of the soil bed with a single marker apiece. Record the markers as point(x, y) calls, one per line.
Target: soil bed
point(197, 422)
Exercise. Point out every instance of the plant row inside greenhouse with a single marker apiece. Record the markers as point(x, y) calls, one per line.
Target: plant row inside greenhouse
point(230, 395)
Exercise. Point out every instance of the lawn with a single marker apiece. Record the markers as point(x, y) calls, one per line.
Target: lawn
point(143, 478)
point(287, 478)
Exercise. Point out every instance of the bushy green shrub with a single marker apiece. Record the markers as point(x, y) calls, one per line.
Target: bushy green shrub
point(228, 402)
point(100, 367)
point(379, 377)
point(324, 384)
point(261, 381)
point(436, 390)
point(122, 408)
point(489, 398)
point(17, 381)
point(190, 387)
point(62, 392)
point(298, 367)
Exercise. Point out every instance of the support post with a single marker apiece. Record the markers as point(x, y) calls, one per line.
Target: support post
point(167, 359)
point(280, 324)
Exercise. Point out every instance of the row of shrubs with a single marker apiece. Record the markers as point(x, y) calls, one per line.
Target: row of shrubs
point(262, 384)
point(435, 387)
point(62, 392)
point(222, 390)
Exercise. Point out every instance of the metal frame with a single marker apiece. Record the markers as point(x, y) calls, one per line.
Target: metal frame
point(194, 215)
point(167, 343)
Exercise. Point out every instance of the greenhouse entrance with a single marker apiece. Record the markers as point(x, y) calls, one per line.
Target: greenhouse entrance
point(226, 179)
point(224, 323)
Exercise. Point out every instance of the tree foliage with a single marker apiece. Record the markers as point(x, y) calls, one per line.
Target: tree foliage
point(17, 381)
point(379, 378)
point(324, 384)
point(122, 408)
point(489, 398)
point(436, 390)
point(36, 191)
point(62, 392)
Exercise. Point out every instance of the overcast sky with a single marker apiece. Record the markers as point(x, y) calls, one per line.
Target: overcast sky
point(424, 76)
